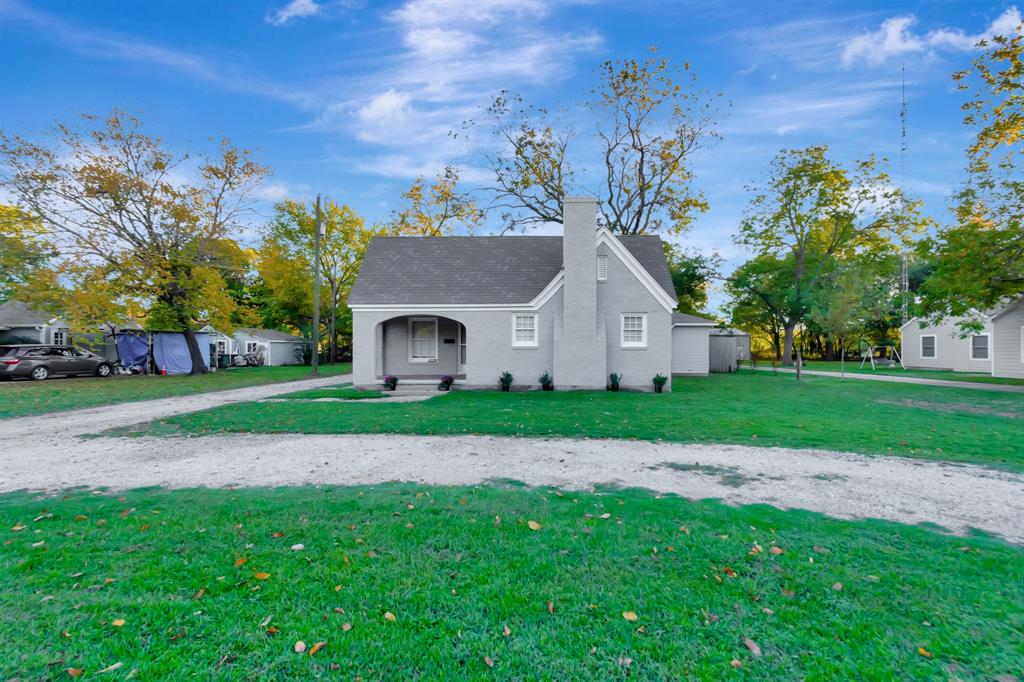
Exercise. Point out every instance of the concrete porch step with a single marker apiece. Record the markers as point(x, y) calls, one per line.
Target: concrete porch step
point(413, 389)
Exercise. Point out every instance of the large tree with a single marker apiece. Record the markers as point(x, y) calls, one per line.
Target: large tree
point(979, 260)
point(437, 209)
point(811, 212)
point(285, 261)
point(25, 251)
point(153, 225)
point(692, 273)
point(651, 118)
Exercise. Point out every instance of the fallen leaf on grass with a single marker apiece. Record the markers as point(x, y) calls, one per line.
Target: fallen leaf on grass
point(117, 622)
point(200, 593)
point(272, 630)
point(736, 663)
point(345, 627)
point(629, 615)
point(240, 562)
point(260, 575)
point(300, 647)
point(266, 621)
point(390, 616)
point(533, 525)
point(505, 631)
point(489, 661)
point(924, 652)
point(838, 587)
point(729, 572)
point(298, 547)
point(74, 672)
point(625, 661)
point(111, 668)
point(316, 647)
point(755, 650)
point(606, 515)
point(277, 534)
point(81, 517)
point(777, 550)
point(551, 607)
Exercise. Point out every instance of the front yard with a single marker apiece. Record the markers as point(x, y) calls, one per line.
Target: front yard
point(762, 409)
point(24, 398)
point(404, 581)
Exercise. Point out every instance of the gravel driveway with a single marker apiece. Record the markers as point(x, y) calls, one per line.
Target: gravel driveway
point(47, 453)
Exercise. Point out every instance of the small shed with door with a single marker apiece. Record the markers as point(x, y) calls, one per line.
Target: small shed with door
point(724, 339)
point(274, 347)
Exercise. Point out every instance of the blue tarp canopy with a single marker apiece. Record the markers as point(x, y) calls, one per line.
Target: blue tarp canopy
point(132, 349)
point(170, 351)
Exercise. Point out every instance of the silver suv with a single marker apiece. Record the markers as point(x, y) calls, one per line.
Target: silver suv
point(40, 362)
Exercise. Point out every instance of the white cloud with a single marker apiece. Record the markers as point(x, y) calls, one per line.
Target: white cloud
point(296, 9)
point(896, 37)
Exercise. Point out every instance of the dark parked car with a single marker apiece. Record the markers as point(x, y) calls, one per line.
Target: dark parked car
point(35, 361)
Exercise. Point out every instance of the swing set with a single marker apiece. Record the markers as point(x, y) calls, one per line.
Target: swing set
point(888, 356)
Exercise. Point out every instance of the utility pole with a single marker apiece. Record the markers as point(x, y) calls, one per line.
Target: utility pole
point(316, 290)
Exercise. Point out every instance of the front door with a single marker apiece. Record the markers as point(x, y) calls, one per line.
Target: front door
point(461, 368)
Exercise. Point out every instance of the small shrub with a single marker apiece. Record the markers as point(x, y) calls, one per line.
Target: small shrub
point(546, 383)
point(390, 382)
point(613, 381)
point(505, 381)
point(659, 382)
point(446, 382)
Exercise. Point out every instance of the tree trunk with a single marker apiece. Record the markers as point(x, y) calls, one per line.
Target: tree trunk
point(830, 350)
point(787, 344)
point(198, 364)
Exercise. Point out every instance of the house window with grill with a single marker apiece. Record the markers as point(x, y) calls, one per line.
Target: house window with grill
point(979, 347)
point(634, 330)
point(59, 339)
point(602, 268)
point(423, 339)
point(524, 331)
point(928, 346)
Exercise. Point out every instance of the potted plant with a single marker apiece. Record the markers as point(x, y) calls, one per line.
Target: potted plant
point(659, 382)
point(505, 381)
point(546, 383)
point(390, 382)
point(613, 381)
point(446, 382)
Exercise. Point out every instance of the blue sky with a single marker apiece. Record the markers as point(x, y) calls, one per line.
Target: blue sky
point(353, 99)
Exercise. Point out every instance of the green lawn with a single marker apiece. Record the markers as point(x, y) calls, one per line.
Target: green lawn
point(204, 584)
point(21, 398)
point(760, 409)
point(943, 374)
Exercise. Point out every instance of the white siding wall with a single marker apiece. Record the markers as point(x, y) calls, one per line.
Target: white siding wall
point(951, 351)
point(690, 350)
point(1007, 341)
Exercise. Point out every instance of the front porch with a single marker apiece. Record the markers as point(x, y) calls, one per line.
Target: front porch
point(420, 349)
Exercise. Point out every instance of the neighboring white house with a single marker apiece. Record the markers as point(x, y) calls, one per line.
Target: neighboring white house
point(20, 323)
point(276, 348)
point(579, 307)
point(996, 349)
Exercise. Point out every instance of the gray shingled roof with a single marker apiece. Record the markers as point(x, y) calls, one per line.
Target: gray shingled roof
point(686, 318)
point(466, 270)
point(17, 313)
point(269, 334)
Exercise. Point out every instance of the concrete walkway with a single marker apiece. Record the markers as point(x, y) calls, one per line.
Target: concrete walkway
point(978, 386)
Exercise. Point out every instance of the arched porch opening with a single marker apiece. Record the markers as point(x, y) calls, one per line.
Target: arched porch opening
point(421, 348)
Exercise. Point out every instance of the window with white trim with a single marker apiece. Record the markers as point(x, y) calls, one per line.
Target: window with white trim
point(423, 339)
point(928, 346)
point(979, 347)
point(58, 338)
point(602, 268)
point(222, 346)
point(634, 330)
point(524, 331)
point(251, 346)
